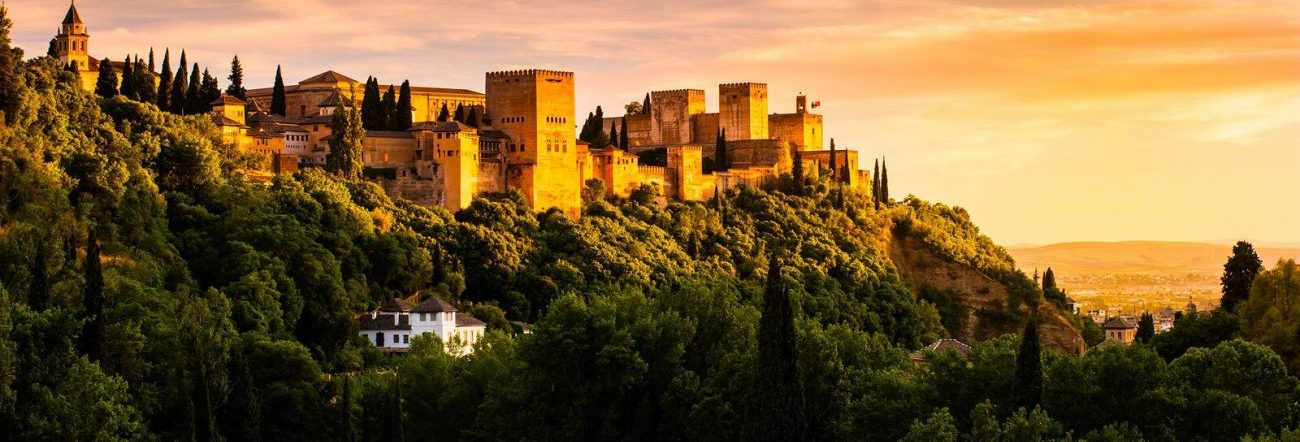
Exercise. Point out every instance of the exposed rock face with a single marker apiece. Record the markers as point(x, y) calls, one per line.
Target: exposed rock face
point(920, 269)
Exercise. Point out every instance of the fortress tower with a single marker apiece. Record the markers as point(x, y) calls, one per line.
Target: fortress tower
point(670, 123)
point(742, 109)
point(454, 147)
point(535, 108)
point(73, 42)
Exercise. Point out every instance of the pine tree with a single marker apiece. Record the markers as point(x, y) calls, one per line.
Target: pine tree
point(402, 115)
point(1238, 275)
point(347, 409)
point(92, 330)
point(128, 80)
point(144, 82)
point(780, 396)
point(613, 134)
point(444, 114)
point(1027, 391)
point(622, 134)
point(278, 105)
point(845, 177)
point(9, 79)
point(236, 88)
point(645, 106)
point(586, 133)
point(193, 92)
point(179, 86)
point(1146, 328)
point(796, 172)
point(387, 107)
point(107, 85)
point(720, 160)
point(834, 170)
point(460, 114)
point(472, 120)
point(884, 182)
point(210, 92)
point(347, 136)
point(165, 82)
point(371, 102)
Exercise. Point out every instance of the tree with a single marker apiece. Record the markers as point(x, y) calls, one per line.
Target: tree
point(1238, 274)
point(151, 65)
point(1027, 391)
point(278, 106)
point(106, 86)
point(720, 160)
point(53, 50)
point(9, 77)
point(128, 80)
point(939, 427)
point(444, 115)
point(875, 184)
point(1049, 280)
point(388, 109)
point(472, 120)
point(347, 136)
point(165, 81)
point(779, 392)
point(645, 105)
point(632, 108)
point(1270, 315)
point(144, 84)
point(372, 116)
point(92, 332)
point(796, 173)
point(884, 182)
point(460, 113)
point(1146, 328)
point(236, 88)
point(209, 92)
point(834, 170)
point(402, 119)
point(613, 134)
point(194, 93)
point(346, 407)
point(623, 138)
point(38, 292)
point(179, 86)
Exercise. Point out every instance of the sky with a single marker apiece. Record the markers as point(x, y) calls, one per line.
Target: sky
point(1050, 121)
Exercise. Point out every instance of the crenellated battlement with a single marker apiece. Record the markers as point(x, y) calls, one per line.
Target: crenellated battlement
point(528, 73)
point(678, 92)
point(743, 85)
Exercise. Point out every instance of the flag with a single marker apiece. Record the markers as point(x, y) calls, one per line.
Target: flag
point(817, 104)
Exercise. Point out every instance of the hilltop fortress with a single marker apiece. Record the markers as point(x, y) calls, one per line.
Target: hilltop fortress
point(525, 138)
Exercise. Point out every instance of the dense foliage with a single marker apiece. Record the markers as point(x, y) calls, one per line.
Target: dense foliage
point(149, 291)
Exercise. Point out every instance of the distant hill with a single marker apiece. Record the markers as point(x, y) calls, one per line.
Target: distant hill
point(1137, 257)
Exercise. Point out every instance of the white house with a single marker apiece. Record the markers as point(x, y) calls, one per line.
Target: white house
point(392, 325)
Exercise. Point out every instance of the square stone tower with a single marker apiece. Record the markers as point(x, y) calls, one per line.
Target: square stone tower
point(742, 109)
point(536, 109)
point(670, 117)
point(455, 149)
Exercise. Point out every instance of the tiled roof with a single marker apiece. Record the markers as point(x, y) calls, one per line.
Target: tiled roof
point(226, 99)
point(328, 77)
point(943, 345)
point(383, 322)
point(223, 120)
point(1119, 322)
point(465, 320)
point(397, 305)
point(73, 16)
point(388, 134)
point(434, 304)
point(334, 100)
point(444, 126)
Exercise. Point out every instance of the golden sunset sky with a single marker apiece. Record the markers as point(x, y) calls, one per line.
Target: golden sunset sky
point(1048, 120)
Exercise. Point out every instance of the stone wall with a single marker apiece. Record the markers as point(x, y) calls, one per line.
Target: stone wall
point(670, 116)
point(802, 129)
point(536, 109)
point(742, 109)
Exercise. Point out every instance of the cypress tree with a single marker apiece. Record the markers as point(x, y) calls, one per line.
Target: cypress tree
point(106, 86)
point(165, 82)
point(472, 120)
point(387, 109)
point(151, 66)
point(371, 114)
point(1146, 328)
point(613, 134)
point(720, 160)
point(92, 331)
point(347, 134)
point(1238, 275)
point(622, 133)
point(845, 178)
point(193, 91)
point(645, 106)
point(834, 170)
point(403, 113)
point(179, 86)
point(347, 409)
point(128, 80)
point(585, 133)
point(210, 92)
point(884, 182)
point(460, 113)
point(278, 105)
point(144, 82)
point(1049, 280)
point(53, 51)
point(780, 396)
point(444, 114)
point(1027, 391)
point(796, 172)
point(236, 88)
point(875, 184)
point(9, 79)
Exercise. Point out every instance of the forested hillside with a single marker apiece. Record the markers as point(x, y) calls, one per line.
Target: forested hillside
point(150, 292)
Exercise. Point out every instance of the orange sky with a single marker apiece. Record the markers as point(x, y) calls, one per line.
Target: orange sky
point(1049, 121)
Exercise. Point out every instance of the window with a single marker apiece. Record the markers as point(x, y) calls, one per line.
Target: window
point(302, 110)
point(406, 339)
point(379, 339)
point(394, 339)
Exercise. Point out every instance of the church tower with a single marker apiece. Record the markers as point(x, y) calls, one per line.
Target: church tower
point(73, 42)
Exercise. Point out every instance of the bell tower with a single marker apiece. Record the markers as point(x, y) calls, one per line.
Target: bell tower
point(73, 42)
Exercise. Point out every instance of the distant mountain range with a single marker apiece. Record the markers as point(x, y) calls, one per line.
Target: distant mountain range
point(1137, 257)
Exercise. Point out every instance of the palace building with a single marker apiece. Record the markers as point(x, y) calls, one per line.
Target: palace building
point(72, 44)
